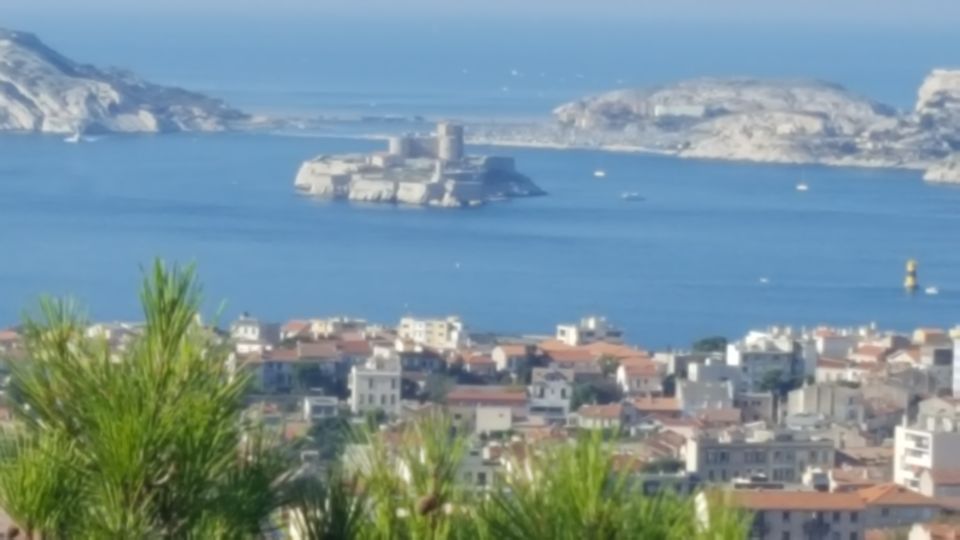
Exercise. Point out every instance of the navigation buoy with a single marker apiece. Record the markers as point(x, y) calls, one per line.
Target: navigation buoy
point(910, 281)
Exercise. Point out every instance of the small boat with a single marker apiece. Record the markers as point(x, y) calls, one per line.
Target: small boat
point(764, 281)
point(599, 173)
point(631, 196)
point(931, 291)
point(802, 186)
point(74, 138)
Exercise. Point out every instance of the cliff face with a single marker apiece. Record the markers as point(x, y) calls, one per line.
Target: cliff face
point(43, 91)
point(775, 121)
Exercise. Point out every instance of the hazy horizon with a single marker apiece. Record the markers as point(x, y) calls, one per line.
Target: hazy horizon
point(933, 12)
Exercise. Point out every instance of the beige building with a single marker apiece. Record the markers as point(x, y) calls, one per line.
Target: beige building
point(440, 334)
point(780, 457)
point(588, 330)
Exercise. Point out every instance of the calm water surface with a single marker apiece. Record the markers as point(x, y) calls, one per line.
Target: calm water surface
point(688, 261)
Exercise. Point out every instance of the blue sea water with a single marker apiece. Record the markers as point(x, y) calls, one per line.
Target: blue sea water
point(684, 263)
point(688, 261)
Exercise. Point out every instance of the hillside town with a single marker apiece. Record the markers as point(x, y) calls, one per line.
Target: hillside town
point(839, 433)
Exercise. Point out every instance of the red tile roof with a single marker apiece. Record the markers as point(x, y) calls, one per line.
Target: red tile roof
point(355, 347)
point(611, 411)
point(323, 350)
point(514, 350)
point(281, 355)
point(796, 500)
point(656, 404)
point(572, 355)
point(893, 495)
point(486, 395)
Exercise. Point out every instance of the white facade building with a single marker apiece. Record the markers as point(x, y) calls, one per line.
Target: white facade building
point(440, 334)
point(932, 442)
point(550, 392)
point(588, 330)
point(375, 385)
point(697, 396)
point(780, 457)
point(760, 354)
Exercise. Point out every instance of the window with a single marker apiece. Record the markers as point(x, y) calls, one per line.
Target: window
point(393, 400)
point(383, 399)
point(853, 536)
point(885, 512)
point(393, 384)
point(710, 475)
point(836, 517)
point(370, 384)
point(481, 478)
point(786, 516)
point(854, 516)
point(786, 535)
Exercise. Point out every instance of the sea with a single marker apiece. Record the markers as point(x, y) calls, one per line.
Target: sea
point(714, 247)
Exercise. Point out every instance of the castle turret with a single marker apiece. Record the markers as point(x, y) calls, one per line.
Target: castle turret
point(400, 146)
point(449, 141)
point(910, 282)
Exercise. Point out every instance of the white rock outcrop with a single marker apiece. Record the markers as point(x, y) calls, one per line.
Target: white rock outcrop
point(945, 172)
point(44, 91)
point(770, 121)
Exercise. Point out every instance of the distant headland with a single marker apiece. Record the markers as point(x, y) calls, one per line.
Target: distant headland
point(776, 121)
point(42, 91)
point(428, 170)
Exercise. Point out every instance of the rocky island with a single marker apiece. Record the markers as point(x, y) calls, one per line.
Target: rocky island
point(425, 171)
point(43, 91)
point(786, 121)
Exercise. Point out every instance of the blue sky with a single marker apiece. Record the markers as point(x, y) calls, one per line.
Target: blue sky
point(891, 11)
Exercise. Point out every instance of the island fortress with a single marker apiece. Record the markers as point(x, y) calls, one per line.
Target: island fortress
point(420, 170)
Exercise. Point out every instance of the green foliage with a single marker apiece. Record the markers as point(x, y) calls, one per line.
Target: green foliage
point(573, 492)
point(601, 392)
point(609, 365)
point(777, 382)
point(664, 465)
point(148, 442)
point(710, 344)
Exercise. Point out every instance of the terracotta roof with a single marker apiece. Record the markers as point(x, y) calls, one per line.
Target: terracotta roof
point(611, 411)
point(910, 354)
point(552, 345)
point(573, 354)
point(945, 477)
point(731, 415)
point(321, 350)
point(478, 360)
point(893, 495)
point(831, 363)
point(641, 369)
point(512, 350)
point(9, 335)
point(796, 500)
point(615, 350)
point(295, 326)
point(355, 347)
point(486, 395)
point(656, 404)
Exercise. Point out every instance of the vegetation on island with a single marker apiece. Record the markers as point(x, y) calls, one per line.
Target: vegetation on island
point(149, 441)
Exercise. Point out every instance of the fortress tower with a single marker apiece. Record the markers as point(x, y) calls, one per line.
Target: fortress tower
point(449, 141)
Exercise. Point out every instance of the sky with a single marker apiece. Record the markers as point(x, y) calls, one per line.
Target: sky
point(933, 12)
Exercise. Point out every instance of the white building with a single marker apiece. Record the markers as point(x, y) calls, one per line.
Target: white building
point(375, 385)
point(956, 367)
point(250, 336)
point(316, 408)
point(697, 396)
point(833, 402)
point(761, 354)
point(440, 334)
point(931, 442)
point(588, 330)
point(779, 457)
point(550, 392)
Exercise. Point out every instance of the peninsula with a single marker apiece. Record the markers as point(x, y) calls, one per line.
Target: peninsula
point(42, 91)
point(778, 121)
point(425, 171)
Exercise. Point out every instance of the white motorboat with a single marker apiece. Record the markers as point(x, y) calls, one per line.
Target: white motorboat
point(631, 196)
point(931, 291)
point(599, 173)
point(802, 186)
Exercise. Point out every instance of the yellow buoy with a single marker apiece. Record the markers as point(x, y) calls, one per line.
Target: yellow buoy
point(910, 281)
